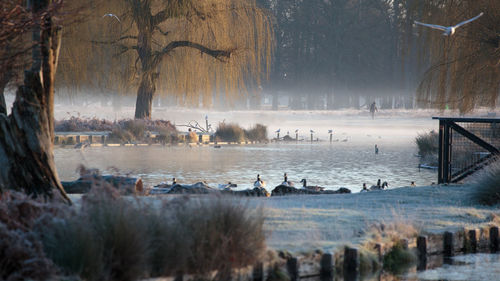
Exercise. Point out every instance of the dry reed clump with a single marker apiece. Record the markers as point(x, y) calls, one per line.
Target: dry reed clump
point(114, 238)
point(230, 132)
point(487, 185)
point(214, 234)
point(256, 133)
point(427, 144)
point(234, 133)
point(389, 234)
point(21, 253)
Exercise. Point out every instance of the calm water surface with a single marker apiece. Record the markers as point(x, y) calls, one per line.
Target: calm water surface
point(333, 165)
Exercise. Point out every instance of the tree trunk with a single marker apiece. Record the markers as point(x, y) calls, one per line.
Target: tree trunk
point(3, 106)
point(275, 100)
point(26, 155)
point(4, 80)
point(145, 93)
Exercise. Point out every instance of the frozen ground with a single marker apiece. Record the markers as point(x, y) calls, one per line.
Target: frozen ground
point(326, 222)
point(308, 222)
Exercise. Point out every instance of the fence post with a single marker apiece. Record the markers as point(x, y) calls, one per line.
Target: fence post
point(258, 272)
point(422, 252)
point(472, 240)
point(326, 263)
point(448, 244)
point(351, 263)
point(494, 239)
point(292, 266)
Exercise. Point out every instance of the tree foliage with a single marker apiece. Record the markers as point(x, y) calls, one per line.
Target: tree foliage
point(464, 68)
point(190, 49)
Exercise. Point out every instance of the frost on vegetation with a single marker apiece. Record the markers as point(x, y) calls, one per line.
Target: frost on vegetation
point(114, 238)
point(486, 189)
point(21, 252)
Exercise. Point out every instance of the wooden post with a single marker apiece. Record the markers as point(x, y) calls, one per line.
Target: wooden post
point(472, 240)
point(378, 249)
point(422, 252)
point(351, 263)
point(448, 244)
point(258, 272)
point(327, 268)
point(494, 239)
point(292, 266)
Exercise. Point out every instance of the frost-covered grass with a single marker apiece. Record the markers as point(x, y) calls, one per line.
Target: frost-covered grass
point(331, 221)
point(304, 223)
point(487, 186)
point(105, 236)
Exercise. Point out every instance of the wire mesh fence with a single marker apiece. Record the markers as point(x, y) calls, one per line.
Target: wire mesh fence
point(466, 154)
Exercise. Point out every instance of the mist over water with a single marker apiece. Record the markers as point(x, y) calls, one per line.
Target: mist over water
point(349, 161)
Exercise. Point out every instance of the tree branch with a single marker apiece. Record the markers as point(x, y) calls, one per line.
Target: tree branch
point(217, 54)
point(115, 41)
point(161, 31)
point(160, 17)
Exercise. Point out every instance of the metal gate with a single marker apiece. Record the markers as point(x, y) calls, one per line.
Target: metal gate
point(466, 145)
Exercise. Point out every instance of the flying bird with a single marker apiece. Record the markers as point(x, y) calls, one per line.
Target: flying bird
point(449, 30)
point(113, 16)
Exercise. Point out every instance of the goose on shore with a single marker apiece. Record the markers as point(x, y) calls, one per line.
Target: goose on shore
point(286, 181)
point(229, 185)
point(379, 186)
point(259, 182)
point(315, 188)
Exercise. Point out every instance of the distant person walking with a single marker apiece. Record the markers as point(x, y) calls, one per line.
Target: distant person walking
point(376, 149)
point(373, 108)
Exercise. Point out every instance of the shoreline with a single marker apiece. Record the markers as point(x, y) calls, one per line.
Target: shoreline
point(326, 222)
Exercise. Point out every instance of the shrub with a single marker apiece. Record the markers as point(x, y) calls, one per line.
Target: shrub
point(398, 259)
point(487, 185)
point(204, 235)
point(21, 253)
point(105, 240)
point(427, 143)
point(113, 238)
point(257, 133)
point(230, 132)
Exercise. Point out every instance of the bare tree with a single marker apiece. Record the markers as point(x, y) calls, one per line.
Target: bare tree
point(26, 138)
point(465, 67)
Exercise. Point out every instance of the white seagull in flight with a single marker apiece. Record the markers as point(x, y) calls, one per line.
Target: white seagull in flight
point(449, 30)
point(111, 15)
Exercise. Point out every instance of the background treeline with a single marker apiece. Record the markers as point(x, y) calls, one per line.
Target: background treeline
point(327, 55)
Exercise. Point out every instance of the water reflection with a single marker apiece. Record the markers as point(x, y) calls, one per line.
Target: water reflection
point(330, 165)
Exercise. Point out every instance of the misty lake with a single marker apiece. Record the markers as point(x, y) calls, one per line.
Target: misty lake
point(339, 164)
point(349, 162)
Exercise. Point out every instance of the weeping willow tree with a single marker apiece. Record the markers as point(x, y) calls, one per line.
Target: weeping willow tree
point(464, 68)
point(195, 50)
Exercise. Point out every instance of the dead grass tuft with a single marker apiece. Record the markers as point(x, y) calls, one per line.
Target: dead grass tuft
point(487, 186)
point(115, 238)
